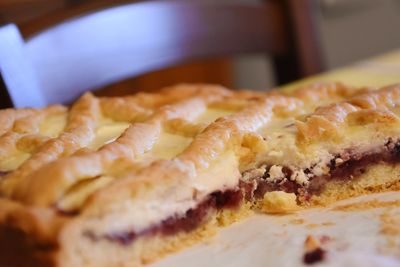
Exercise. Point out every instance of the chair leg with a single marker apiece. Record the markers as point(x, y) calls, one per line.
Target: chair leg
point(286, 68)
point(304, 56)
point(5, 100)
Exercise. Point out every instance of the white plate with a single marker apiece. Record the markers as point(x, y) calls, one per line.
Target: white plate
point(354, 239)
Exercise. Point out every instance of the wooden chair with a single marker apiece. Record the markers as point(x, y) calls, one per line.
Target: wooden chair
point(96, 49)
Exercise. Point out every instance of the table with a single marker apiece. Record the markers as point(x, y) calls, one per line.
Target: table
point(376, 71)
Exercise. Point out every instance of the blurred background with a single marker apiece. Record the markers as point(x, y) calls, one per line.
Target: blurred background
point(348, 30)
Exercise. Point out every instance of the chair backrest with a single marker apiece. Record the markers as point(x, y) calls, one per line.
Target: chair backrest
point(100, 48)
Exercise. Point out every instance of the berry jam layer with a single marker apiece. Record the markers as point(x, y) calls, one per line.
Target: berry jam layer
point(344, 167)
point(191, 220)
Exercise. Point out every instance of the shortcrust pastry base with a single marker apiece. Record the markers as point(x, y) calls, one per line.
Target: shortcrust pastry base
point(376, 179)
point(18, 250)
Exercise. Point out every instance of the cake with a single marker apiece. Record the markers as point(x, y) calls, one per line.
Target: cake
point(122, 181)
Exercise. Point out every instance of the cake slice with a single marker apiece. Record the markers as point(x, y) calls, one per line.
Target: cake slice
point(339, 150)
point(123, 181)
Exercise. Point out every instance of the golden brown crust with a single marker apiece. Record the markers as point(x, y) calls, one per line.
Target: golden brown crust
point(329, 120)
point(78, 133)
point(138, 159)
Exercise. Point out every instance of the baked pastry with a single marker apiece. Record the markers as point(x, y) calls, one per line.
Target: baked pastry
point(122, 181)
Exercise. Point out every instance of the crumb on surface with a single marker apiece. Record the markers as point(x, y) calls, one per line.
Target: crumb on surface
point(315, 225)
point(324, 239)
point(311, 243)
point(390, 223)
point(312, 225)
point(314, 256)
point(313, 251)
point(327, 223)
point(365, 205)
point(297, 221)
point(279, 202)
point(389, 228)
